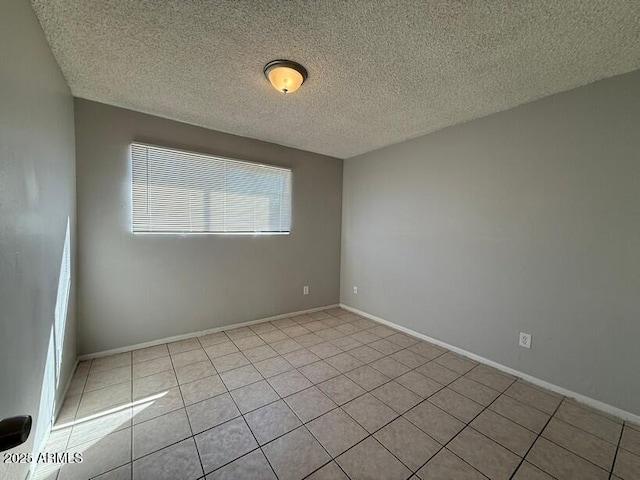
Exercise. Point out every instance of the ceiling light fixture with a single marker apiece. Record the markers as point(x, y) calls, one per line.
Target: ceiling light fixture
point(285, 76)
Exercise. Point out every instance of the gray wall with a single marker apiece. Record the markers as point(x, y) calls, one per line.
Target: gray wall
point(37, 195)
point(527, 220)
point(137, 288)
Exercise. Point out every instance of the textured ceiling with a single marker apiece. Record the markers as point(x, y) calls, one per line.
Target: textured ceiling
point(380, 72)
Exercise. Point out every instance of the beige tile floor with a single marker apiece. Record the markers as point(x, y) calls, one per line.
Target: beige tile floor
point(328, 395)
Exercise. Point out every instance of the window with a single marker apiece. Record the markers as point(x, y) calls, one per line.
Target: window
point(183, 192)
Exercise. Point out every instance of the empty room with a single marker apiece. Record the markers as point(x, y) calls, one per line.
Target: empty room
point(324, 240)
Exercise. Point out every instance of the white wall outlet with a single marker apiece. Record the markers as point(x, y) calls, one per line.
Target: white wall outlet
point(305, 290)
point(525, 340)
point(355, 290)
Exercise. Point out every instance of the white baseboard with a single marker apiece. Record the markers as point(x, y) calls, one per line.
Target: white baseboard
point(596, 404)
point(201, 333)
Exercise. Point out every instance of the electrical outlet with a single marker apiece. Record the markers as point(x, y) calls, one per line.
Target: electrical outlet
point(355, 290)
point(525, 340)
point(305, 290)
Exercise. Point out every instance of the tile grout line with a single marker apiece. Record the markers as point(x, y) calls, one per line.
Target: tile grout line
point(551, 416)
point(223, 382)
point(536, 440)
point(185, 411)
point(545, 413)
point(615, 455)
point(293, 368)
point(131, 420)
point(280, 398)
point(242, 415)
point(313, 385)
point(485, 408)
point(402, 415)
point(331, 457)
point(571, 451)
point(343, 373)
point(504, 392)
point(467, 424)
point(391, 421)
point(334, 459)
point(369, 435)
point(326, 464)
point(259, 447)
point(302, 423)
point(130, 426)
point(169, 355)
point(587, 432)
point(188, 421)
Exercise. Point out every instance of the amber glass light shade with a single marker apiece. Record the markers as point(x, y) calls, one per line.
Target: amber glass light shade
point(285, 76)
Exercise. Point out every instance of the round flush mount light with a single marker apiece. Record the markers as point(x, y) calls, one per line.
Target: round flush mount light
point(285, 76)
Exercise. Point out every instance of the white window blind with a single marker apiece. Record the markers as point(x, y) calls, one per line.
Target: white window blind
point(182, 192)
